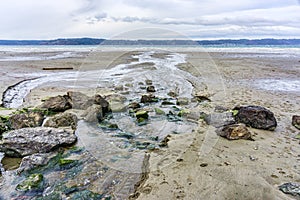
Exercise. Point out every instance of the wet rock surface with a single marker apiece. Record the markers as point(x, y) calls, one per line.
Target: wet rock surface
point(256, 117)
point(28, 119)
point(58, 103)
point(291, 188)
point(62, 120)
point(27, 141)
point(235, 132)
point(296, 121)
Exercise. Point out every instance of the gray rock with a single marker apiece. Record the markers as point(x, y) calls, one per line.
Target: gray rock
point(62, 120)
point(256, 117)
point(219, 119)
point(290, 188)
point(80, 100)
point(58, 103)
point(23, 120)
point(28, 141)
point(296, 121)
point(235, 132)
point(93, 114)
point(35, 160)
point(182, 101)
point(99, 100)
point(151, 88)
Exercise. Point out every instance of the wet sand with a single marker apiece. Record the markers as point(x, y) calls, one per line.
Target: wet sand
point(201, 165)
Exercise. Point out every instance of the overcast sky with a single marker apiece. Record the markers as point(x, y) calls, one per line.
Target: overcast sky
point(195, 19)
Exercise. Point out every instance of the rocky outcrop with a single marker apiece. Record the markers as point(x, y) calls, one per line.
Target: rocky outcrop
point(28, 141)
point(62, 120)
point(28, 119)
point(93, 114)
point(296, 121)
point(99, 100)
point(235, 132)
point(256, 117)
point(58, 103)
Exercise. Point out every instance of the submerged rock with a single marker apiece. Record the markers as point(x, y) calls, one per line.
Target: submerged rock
point(148, 82)
point(256, 117)
point(33, 182)
point(182, 101)
point(159, 111)
point(291, 188)
point(62, 120)
point(134, 105)
point(29, 119)
point(28, 141)
point(235, 132)
point(35, 160)
point(4, 125)
point(142, 114)
point(148, 99)
point(58, 103)
point(296, 121)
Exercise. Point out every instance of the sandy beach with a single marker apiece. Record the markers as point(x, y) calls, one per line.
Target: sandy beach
point(198, 164)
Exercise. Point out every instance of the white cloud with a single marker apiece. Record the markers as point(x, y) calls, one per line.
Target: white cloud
point(31, 19)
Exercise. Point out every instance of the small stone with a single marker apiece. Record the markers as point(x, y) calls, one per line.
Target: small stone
point(159, 111)
point(142, 114)
point(173, 94)
point(148, 99)
point(182, 101)
point(203, 165)
point(290, 188)
point(134, 105)
point(166, 103)
point(235, 132)
point(148, 82)
point(296, 121)
point(151, 88)
point(119, 88)
point(227, 163)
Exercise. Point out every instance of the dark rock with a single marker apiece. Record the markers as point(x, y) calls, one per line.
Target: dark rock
point(58, 103)
point(28, 141)
point(80, 100)
point(99, 100)
point(62, 120)
point(256, 117)
point(172, 117)
point(134, 105)
point(235, 132)
point(125, 135)
point(164, 142)
point(291, 188)
point(148, 99)
point(173, 94)
point(151, 88)
point(166, 103)
point(4, 125)
point(218, 119)
point(108, 125)
point(201, 98)
point(29, 119)
point(182, 101)
point(296, 121)
point(142, 114)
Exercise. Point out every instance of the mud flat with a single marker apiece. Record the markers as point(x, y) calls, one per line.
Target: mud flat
point(186, 158)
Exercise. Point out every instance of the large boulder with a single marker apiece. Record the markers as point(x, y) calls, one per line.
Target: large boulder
point(256, 117)
point(235, 132)
point(62, 120)
point(99, 100)
point(296, 121)
point(29, 119)
point(58, 103)
point(93, 114)
point(80, 100)
point(27, 141)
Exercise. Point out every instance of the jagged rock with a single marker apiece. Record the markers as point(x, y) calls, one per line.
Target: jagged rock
point(4, 125)
point(151, 88)
point(35, 160)
point(29, 119)
point(28, 141)
point(291, 188)
point(62, 120)
point(58, 103)
point(219, 119)
point(296, 121)
point(80, 100)
point(99, 100)
point(256, 117)
point(235, 132)
point(182, 101)
point(93, 114)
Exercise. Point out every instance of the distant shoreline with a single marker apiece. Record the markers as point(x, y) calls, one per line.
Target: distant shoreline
point(94, 41)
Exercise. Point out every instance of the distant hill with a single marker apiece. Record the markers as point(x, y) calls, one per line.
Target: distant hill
point(93, 41)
